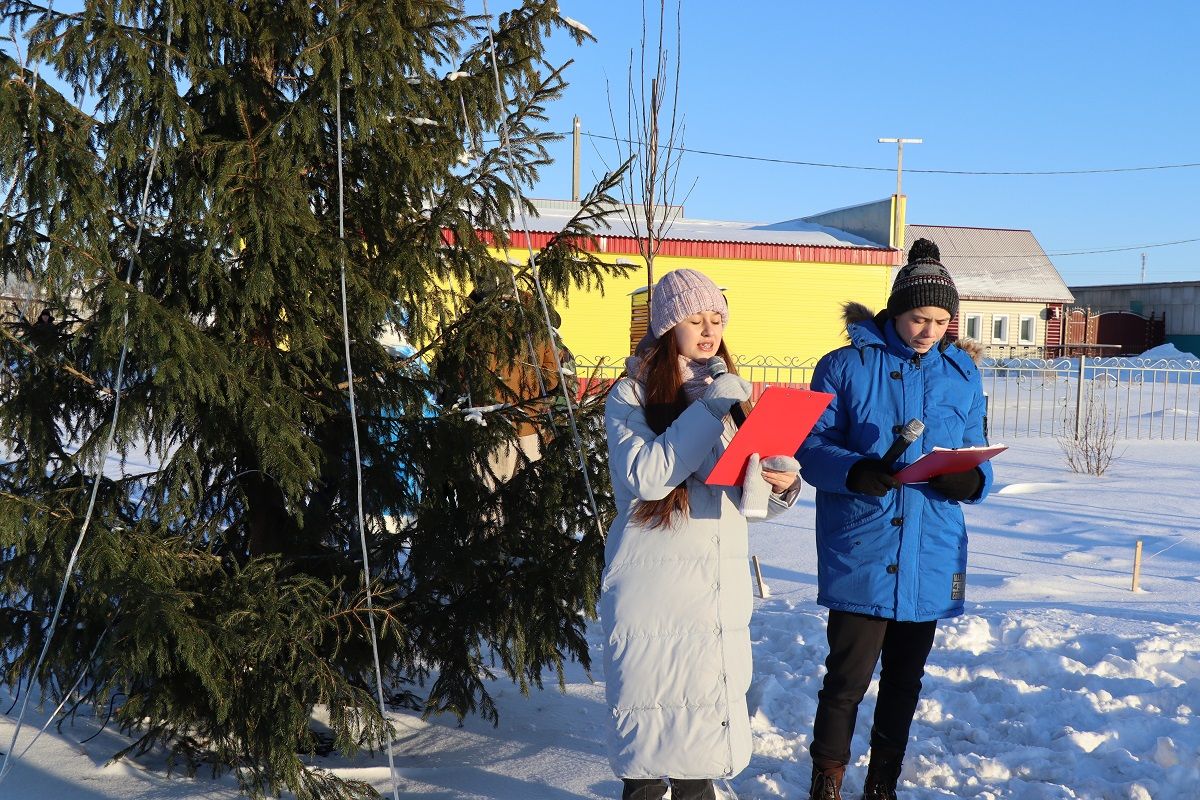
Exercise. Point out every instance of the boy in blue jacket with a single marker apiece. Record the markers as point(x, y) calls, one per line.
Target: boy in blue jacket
point(891, 559)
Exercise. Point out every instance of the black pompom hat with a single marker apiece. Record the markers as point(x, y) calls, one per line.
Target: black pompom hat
point(923, 281)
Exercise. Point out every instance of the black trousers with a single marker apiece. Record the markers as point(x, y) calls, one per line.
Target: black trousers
point(654, 789)
point(856, 644)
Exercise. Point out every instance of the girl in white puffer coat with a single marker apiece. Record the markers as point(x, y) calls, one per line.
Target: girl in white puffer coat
point(676, 598)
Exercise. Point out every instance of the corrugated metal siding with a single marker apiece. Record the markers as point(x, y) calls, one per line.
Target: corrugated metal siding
point(762, 252)
point(995, 264)
point(627, 245)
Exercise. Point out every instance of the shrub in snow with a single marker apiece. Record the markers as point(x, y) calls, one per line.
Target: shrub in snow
point(1092, 448)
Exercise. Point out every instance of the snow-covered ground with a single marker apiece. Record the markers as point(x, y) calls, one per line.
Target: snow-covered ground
point(1059, 682)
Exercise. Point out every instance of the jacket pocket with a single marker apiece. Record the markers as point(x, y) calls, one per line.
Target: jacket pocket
point(842, 513)
point(943, 564)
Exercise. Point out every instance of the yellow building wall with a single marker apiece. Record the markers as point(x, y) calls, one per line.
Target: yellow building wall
point(778, 309)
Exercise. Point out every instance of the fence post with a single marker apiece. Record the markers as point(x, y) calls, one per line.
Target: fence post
point(1137, 565)
point(1079, 399)
point(762, 587)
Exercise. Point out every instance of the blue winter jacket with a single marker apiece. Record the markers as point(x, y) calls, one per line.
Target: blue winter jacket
point(902, 556)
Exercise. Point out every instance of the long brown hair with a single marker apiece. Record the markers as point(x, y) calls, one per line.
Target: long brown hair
point(664, 401)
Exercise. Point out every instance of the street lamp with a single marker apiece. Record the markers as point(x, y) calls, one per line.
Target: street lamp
point(898, 205)
point(900, 155)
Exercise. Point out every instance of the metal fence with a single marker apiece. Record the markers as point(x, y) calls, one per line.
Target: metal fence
point(1139, 398)
point(761, 371)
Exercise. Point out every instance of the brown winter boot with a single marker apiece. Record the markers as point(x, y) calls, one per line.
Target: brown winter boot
point(883, 773)
point(827, 782)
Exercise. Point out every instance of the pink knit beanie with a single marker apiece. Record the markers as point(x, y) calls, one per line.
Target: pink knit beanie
point(681, 293)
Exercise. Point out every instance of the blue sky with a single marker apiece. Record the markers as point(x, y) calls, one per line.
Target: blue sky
point(1015, 86)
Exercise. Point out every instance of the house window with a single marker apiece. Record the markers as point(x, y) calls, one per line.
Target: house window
point(1028, 330)
point(974, 328)
point(1000, 329)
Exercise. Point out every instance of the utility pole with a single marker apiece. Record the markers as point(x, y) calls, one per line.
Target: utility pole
point(1143, 267)
point(900, 156)
point(575, 162)
point(899, 204)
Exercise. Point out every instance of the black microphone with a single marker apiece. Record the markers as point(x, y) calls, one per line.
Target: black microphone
point(716, 368)
point(908, 434)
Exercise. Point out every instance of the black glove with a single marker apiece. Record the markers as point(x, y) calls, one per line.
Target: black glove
point(958, 485)
point(871, 476)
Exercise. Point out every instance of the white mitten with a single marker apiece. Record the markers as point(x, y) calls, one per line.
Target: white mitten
point(756, 492)
point(781, 464)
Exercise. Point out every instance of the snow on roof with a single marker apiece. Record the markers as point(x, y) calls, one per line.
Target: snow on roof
point(995, 263)
point(551, 215)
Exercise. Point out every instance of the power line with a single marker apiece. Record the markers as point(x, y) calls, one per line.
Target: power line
point(1125, 249)
point(825, 165)
point(1057, 253)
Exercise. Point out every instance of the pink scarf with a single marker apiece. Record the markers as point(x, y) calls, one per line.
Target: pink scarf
point(693, 374)
point(695, 377)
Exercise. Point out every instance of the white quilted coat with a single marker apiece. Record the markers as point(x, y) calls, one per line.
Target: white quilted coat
point(675, 602)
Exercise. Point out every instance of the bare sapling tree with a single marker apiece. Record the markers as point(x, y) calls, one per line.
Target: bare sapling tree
point(1091, 448)
point(654, 133)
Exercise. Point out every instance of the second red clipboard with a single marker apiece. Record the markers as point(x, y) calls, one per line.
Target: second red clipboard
point(944, 461)
point(776, 426)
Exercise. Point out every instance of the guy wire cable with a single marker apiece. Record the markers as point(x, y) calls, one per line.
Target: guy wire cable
point(362, 530)
point(1183, 538)
point(6, 767)
point(537, 282)
point(66, 696)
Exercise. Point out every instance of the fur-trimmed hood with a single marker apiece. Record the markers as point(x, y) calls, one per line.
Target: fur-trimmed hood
point(854, 313)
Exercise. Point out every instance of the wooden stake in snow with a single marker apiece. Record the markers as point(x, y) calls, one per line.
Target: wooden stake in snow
point(1137, 565)
point(763, 592)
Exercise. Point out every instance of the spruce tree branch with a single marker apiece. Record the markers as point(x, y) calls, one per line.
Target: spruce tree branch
point(443, 335)
point(45, 509)
point(67, 368)
point(358, 611)
point(54, 239)
point(576, 227)
point(251, 136)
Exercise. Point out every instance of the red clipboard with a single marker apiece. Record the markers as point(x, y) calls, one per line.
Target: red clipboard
point(941, 461)
point(776, 426)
